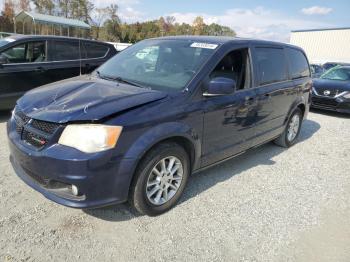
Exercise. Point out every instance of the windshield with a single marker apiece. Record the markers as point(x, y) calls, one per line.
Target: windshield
point(158, 64)
point(337, 73)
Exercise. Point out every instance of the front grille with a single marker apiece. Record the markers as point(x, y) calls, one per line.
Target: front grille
point(22, 116)
point(330, 92)
point(324, 102)
point(44, 126)
point(34, 139)
point(35, 132)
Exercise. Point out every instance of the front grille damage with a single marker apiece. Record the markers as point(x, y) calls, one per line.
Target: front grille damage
point(35, 132)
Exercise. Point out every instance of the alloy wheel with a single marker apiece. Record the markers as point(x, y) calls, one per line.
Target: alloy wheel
point(164, 180)
point(293, 128)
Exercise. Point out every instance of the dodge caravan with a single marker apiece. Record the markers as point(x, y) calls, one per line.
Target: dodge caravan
point(140, 124)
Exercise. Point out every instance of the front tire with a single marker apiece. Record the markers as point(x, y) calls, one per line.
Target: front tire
point(160, 179)
point(291, 133)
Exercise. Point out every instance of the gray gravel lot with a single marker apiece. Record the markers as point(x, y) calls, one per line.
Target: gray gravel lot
point(269, 204)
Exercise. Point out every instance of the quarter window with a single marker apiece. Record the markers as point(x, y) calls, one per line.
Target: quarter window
point(95, 50)
point(271, 65)
point(298, 64)
point(64, 50)
point(32, 52)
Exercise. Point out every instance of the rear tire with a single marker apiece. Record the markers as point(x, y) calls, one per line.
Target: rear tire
point(292, 130)
point(160, 179)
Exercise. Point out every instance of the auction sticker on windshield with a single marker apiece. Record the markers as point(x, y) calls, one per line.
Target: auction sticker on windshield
point(204, 45)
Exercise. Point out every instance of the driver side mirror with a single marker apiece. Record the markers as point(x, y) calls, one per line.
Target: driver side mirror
point(220, 86)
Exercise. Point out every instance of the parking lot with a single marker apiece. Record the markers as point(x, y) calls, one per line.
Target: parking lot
point(269, 204)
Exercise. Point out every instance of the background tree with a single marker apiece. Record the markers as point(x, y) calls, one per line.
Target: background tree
point(7, 15)
point(44, 6)
point(99, 17)
point(63, 6)
point(112, 24)
point(198, 25)
point(24, 5)
point(105, 21)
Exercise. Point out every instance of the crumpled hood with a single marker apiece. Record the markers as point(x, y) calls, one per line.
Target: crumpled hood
point(331, 84)
point(83, 98)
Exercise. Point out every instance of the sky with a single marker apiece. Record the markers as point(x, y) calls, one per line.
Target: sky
point(256, 19)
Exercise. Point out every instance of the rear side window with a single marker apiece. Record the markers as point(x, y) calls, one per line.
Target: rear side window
point(271, 65)
point(93, 50)
point(65, 50)
point(298, 64)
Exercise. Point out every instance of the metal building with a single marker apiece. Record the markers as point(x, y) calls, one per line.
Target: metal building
point(324, 45)
point(39, 24)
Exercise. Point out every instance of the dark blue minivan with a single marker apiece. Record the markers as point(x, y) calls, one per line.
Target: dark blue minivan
point(139, 125)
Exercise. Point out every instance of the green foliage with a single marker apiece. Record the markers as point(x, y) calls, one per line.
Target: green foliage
point(135, 32)
point(106, 24)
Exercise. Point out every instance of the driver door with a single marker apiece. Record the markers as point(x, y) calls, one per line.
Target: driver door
point(24, 69)
point(229, 120)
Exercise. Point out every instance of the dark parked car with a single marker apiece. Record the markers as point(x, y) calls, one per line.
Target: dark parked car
point(316, 70)
point(27, 62)
point(139, 126)
point(332, 90)
point(5, 34)
point(330, 65)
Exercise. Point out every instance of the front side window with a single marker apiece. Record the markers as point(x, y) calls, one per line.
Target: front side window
point(236, 66)
point(65, 50)
point(337, 73)
point(32, 52)
point(298, 64)
point(159, 64)
point(271, 65)
point(93, 50)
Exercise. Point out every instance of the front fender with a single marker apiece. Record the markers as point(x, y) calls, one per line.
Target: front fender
point(150, 138)
point(162, 132)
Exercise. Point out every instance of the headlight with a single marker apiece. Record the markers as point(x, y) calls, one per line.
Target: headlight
point(347, 95)
point(90, 138)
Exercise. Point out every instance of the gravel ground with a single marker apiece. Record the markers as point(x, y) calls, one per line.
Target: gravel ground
point(269, 204)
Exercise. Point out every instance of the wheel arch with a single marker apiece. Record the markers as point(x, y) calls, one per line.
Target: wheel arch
point(298, 103)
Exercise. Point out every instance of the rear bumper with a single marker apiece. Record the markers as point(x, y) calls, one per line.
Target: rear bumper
point(331, 104)
point(101, 178)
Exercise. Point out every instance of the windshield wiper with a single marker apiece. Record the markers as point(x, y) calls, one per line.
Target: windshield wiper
point(120, 80)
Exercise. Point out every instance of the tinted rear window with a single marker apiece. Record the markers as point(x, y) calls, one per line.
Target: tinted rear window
point(271, 65)
point(65, 50)
point(298, 64)
point(95, 50)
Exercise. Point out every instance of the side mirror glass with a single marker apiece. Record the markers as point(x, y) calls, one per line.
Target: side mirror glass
point(219, 86)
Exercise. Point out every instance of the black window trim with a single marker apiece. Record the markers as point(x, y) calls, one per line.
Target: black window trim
point(101, 57)
point(286, 65)
point(80, 59)
point(249, 53)
point(25, 43)
point(289, 63)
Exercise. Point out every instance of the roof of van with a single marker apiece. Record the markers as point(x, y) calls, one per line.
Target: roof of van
point(223, 40)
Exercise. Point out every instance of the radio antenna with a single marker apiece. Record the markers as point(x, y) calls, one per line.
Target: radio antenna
point(79, 57)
